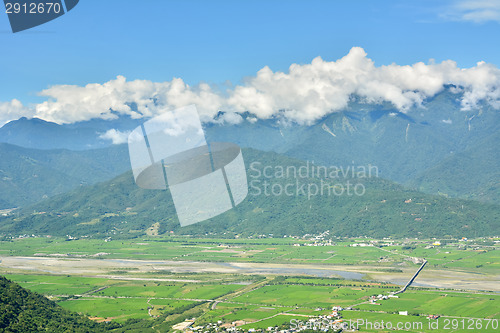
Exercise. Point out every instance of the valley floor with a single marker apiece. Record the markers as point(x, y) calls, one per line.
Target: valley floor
point(165, 283)
point(104, 268)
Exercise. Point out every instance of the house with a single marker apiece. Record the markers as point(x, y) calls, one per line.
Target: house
point(403, 313)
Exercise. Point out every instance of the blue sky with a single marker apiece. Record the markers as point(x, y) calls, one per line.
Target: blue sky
point(215, 41)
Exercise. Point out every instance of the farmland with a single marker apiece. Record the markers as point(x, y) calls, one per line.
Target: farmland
point(453, 255)
point(257, 283)
point(267, 301)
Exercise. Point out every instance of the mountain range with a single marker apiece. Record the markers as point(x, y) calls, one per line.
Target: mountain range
point(120, 208)
point(437, 148)
point(435, 152)
point(30, 175)
point(40, 134)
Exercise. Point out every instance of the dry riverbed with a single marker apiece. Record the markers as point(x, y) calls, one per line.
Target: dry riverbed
point(136, 268)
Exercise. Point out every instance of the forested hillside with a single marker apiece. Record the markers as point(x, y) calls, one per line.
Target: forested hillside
point(120, 208)
point(22, 311)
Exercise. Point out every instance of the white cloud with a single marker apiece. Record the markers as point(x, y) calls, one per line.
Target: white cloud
point(232, 118)
point(478, 11)
point(69, 103)
point(308, 92)
point(13, 110)
point(303, 94)
point(116, 137)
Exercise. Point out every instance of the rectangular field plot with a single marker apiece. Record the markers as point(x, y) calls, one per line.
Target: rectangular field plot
point(307, 296)
point(119, 309)
point(163, 290)
point(441, 303)
point(58, 284)
point(229, 312)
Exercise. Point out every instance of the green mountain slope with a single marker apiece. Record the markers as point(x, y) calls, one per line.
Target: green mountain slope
point(30, 175)
point(119, 207)
point(417, 148)
point(23, 311)
point(473, 173)
point(404, 146)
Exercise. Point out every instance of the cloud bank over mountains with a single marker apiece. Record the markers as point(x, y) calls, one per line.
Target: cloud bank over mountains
point(13, 110)
point(304, 94)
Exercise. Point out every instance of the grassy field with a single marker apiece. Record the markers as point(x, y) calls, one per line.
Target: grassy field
point(57, 284)
point(456, 255)
point(367, 321)
point(120, 299)
point(230, 312)
point(441, 303)
point(163, 290)
point(109, 308)
point(260, 301)
point(307, 296)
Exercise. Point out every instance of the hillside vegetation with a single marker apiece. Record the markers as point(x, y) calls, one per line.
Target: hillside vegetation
point(118, 207)
point(31, 175)
point(23, 311)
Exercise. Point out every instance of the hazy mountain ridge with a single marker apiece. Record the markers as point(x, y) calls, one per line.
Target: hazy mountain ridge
point(409, 148)
point(40, 134)
point(404, 146)
point(30, 175)
point(119, 207)
point(472, 173)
